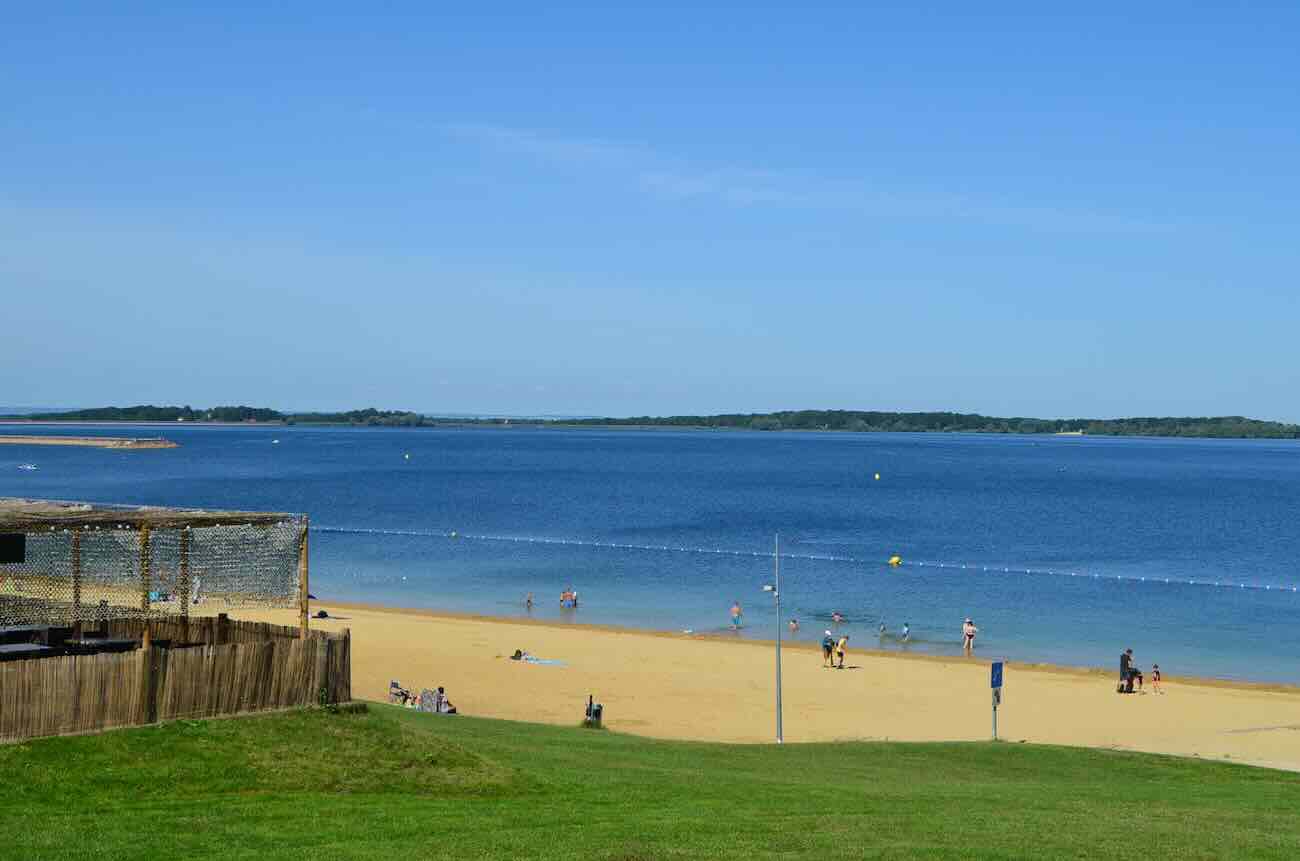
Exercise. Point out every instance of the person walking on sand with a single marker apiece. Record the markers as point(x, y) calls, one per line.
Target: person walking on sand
point(968, 632)
point(1155, 679)
point(737, 615)
point(840, 648)
point(828, 649)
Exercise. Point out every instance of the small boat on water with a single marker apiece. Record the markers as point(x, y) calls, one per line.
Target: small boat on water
point(30, 467)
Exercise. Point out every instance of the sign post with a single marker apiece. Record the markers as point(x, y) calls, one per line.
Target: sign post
point(995, 682)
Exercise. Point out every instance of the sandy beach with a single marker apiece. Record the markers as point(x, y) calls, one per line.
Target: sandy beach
point(720, 689)
point(115, 442)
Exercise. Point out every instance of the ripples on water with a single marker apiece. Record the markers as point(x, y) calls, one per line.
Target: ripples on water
point(665, 529)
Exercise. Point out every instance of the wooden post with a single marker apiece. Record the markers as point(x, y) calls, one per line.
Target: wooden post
point(145, 585)
point(304, 609)
point(155, 675)
point(76, 584)
point(185, 585)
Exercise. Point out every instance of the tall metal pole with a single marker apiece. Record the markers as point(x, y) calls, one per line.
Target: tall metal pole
point(776, 561)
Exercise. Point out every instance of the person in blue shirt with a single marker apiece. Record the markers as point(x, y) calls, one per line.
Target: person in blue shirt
point(828, 647)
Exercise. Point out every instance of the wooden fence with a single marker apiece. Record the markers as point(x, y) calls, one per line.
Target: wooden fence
point(241, 667)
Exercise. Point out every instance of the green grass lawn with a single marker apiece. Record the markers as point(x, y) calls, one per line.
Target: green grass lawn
point(389, 783)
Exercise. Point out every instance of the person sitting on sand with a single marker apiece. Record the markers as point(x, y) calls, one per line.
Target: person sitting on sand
point(968, 632)
point(828, 649)
point(737, 615)
point(840, 648)
point(442, 705)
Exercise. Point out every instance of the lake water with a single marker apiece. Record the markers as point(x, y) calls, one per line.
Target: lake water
point(663, 530)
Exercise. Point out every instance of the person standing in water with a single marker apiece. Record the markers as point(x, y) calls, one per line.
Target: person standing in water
point(737, 615)
point(968, 632)
point(794, 627)
point(528, 602)
point(907, 632)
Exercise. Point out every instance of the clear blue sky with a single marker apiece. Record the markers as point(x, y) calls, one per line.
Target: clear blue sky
point(1000, 208)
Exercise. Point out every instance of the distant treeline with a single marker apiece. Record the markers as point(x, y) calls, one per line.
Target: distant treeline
point(867, 422)
point(149, 413)
point(827, 420)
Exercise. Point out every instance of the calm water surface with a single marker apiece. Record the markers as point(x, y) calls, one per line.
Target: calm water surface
point(665, 529)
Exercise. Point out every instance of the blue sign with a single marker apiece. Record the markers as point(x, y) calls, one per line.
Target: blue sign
point(995, 681)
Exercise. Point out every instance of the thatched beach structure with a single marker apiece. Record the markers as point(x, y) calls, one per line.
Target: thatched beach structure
point(115, 615)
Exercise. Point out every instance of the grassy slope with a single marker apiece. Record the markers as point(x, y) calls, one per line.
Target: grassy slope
point(392, 783)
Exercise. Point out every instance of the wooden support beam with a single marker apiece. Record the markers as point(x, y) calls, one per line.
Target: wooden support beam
point(76, 583)
point(146, 583)
point(304, 581)
point(185, 585)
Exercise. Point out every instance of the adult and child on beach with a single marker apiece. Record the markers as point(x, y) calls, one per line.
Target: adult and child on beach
point(1129, 673)
point(568, 600)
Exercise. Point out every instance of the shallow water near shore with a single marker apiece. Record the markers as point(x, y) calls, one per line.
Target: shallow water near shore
point(664, 529)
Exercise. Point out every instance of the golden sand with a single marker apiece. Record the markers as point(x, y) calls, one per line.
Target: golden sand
point(115, 442)
point(721, 689)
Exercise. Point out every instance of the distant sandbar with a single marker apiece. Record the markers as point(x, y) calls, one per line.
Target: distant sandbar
point(90, 441)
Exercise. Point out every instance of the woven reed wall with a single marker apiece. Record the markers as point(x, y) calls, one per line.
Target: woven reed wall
point(57, 696)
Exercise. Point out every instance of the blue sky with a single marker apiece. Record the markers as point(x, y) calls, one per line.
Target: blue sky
point(678, 209)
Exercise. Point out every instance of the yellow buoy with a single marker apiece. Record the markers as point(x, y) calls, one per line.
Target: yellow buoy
point(895, 561)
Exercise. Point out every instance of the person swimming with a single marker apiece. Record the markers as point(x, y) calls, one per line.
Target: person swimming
point(837, 617)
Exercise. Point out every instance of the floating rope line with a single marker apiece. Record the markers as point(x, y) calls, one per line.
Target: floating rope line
point(811, 557)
